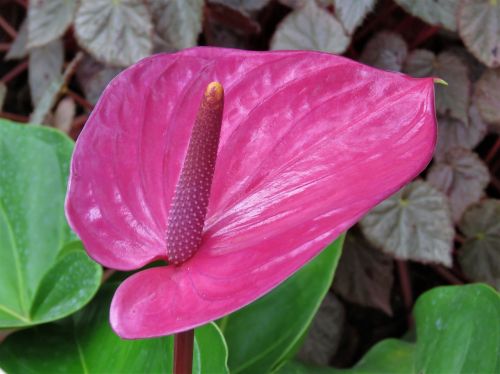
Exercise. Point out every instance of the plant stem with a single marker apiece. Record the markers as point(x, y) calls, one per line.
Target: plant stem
point(447, 275)
point(14, 72)
point(183, 352)
point(404, 279)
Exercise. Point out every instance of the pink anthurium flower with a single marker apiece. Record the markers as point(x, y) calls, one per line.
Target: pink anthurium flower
point(309, 143)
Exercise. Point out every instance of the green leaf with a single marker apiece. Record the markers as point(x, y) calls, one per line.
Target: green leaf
point(414, 223)
point(310, 27)
point(458, 330)
point(33, 230)
point(262, 335)
point(479, 256)
point(85, 343)
point(390, 356)
point(479, 28)
point(117, 33)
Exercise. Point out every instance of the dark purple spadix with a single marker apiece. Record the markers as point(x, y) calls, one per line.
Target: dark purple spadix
point(190, 201)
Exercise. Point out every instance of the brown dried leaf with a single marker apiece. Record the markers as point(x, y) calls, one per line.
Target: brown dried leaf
point(454, 133)
point(487, 96)
point(325, 332)
point(365, 274)
point(64, 114)
point(386, 50)
point(244, 6)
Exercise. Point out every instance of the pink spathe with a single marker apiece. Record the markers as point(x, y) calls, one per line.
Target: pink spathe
point(309, 143)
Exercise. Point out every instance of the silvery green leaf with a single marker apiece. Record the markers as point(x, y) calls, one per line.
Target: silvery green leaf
point(462, 176)
point(454, 133)
point(177, 22)
point(453, 98)
point(479, 27)
point(45, 66)
point(415, 224)
point(435, 12)
point(18, 48)
point(352, 13)
point(311, 28)
point(487, 96)
point(48, 20)
point(479, 256)
point(118, 33)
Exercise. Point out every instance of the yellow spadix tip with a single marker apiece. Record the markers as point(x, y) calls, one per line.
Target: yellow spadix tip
point(214, 92)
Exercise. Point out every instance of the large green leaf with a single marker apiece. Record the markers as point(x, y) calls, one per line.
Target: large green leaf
point(264, 334)
point(390, 356)
point(44, 275)
point(458, 331)
point(85, 343)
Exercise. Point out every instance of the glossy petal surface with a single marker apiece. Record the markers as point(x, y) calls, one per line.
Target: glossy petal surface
point(309, 143)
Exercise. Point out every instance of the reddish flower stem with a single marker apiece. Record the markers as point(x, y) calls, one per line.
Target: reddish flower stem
point(447, 275)
point(183, 352)
point(404, 279)
point(14, 72)
point(4, 47)
point(14, 117)
point(372, 25)
point(23, 3)
point(493, 151)
point(495, 183)
point(80, 100)
point(7, 28)
point(424, 35)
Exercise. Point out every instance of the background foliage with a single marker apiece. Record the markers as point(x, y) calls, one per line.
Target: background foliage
point(444, 228)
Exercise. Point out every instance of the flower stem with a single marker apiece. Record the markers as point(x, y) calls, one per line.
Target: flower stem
point(183, 352)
